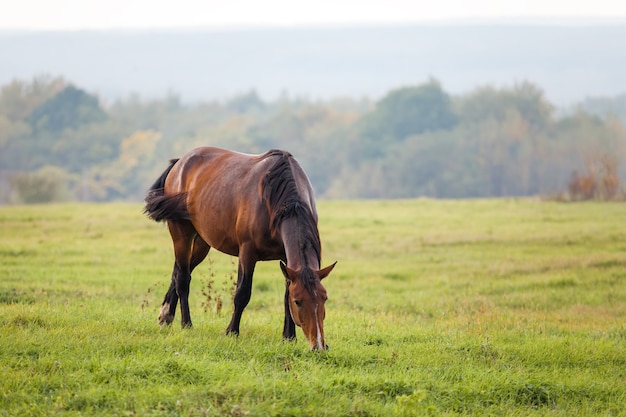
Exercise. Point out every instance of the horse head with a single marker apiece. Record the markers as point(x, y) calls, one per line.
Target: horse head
point(307, 297)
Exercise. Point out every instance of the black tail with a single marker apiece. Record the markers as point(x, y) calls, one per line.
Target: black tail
point(160, 207)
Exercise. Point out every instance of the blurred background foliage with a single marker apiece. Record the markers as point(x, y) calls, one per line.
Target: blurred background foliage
point(59, 142)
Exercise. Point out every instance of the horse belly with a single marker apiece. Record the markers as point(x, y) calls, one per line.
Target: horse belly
point(217, 230)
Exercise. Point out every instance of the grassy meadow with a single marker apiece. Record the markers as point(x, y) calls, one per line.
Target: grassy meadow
point(471, 307)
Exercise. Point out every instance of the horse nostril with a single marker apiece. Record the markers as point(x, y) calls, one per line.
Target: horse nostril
point(326, 347)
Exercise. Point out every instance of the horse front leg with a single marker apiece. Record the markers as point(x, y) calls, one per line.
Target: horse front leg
point(289, 329)
point(243, 291)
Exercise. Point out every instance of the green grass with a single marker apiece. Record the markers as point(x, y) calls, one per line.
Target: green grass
point(471, 307)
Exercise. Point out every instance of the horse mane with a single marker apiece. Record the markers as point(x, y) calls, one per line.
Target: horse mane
point(279, 190)
point(308, 278)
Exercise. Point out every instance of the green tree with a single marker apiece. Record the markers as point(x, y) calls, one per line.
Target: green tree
point(70, 108)
point(19, 98)
point(507, 130)
point(246, 103)
point(17, 101)
point(10, 130)
point(411, 111)
point(490, 103)
point(46, 185)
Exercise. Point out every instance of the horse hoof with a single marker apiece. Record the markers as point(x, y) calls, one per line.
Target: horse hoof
point(314, 348)
point(231, 332)
point(165, 318)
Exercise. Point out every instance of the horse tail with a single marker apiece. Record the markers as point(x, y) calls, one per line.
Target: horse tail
point(160, 207)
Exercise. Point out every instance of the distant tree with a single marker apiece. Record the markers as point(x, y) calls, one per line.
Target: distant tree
point(46, 185)
point(17, 101)
point(70, 108)
point(411, 111)
point(607, 106)
point(128, 175)
point(403, 113)
point(415, 141)
point(19, 98)
point(10, 130)
point(246, 103)
point(87, 145)
point(284, 130)
point(490, 103)
point(507, 129)
point(591, 149)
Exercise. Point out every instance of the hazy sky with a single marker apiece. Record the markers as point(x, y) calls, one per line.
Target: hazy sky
point(105, 14)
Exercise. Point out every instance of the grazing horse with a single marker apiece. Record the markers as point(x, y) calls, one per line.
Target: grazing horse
point(255, 207)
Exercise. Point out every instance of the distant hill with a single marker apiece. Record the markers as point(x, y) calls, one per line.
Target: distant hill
point(569, 62)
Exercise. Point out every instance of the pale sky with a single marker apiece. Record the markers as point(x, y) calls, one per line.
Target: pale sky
point(142, 14)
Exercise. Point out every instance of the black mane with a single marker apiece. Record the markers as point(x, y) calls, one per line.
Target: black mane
point(283, 200)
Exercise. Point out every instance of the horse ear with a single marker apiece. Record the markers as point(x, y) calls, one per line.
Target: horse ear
point(323, 273)
point(287, 272)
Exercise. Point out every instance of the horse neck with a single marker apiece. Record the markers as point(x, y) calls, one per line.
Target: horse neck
point(301, 248)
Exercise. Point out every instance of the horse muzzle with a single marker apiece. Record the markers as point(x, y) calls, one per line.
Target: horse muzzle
point(317, 348)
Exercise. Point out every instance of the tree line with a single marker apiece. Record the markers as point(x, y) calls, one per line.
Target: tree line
point(59, 142)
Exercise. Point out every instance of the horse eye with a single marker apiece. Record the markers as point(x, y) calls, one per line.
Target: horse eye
point(298, 302)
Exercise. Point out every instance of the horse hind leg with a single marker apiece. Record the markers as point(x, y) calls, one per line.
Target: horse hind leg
point(170, 302)
point(189, 251)
point(199, 252)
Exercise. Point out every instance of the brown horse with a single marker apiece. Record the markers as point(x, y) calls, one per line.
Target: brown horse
point(255, 207)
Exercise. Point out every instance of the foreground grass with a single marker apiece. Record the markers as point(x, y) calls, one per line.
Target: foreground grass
point(498, 307)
